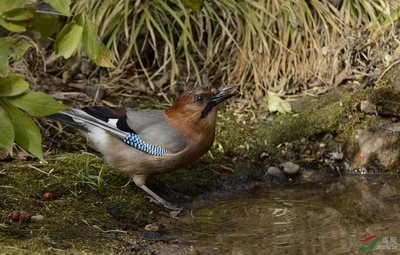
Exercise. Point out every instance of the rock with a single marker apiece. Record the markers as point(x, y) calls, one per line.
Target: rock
point(367, 107)
point(377, 146)
point(151, 227)
point(290, 168)
point(335, 161)
point(37, 218)
point(276, 172)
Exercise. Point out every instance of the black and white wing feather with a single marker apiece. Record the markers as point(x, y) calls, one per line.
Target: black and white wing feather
point(146, 130)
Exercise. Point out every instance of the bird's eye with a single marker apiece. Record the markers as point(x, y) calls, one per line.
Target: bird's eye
point(199, 99)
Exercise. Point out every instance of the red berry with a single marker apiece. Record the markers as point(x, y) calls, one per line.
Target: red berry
point(14, 216)
point(47, 196)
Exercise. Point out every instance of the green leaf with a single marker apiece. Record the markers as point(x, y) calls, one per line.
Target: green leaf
point(68, 39)
point(277, 104)
point(6, 131)
point(45, 24)
point(22, 47)
point(80, 19)
point(12, 85)
point(62, 6)
point(195, 5)
point(27, 134)
point(5, 50)
point(37, 104)
point(94, 48)
point(13, 26)
point(7, 5)
point(18, 14)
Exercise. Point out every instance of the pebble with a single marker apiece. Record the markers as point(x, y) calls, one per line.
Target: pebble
point(290, 168)
point(37, 218)
point(151, 227)
point(276, 172)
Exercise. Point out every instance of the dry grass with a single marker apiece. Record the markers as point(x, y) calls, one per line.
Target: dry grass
point(261, 45)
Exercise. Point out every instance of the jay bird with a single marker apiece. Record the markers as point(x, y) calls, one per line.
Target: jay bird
point(143, 143)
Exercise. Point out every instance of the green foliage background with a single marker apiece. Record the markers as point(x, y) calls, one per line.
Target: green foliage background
point(17, 101)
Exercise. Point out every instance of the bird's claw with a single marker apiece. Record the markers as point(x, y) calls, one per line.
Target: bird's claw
point(165, 205)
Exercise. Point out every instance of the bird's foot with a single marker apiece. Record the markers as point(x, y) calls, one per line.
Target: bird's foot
point(166, 188)
point(164, 204)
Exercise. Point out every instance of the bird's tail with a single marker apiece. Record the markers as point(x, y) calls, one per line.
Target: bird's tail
point(81, 119)
point(66, 119)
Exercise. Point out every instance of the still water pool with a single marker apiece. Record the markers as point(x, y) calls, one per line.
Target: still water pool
point(350, 215)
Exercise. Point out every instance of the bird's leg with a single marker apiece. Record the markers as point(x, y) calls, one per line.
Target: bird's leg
point(167, 188)
point(158, 200)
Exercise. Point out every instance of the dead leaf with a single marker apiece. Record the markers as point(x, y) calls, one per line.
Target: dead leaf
point(4, 154)
point(380, 228)
point(163, 80)
point(86, 66)
point(342, 76)
point(21, 155)
point(275, 103)
point(206, 81)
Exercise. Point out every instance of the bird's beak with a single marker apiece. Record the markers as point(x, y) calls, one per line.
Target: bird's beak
point(221, 96)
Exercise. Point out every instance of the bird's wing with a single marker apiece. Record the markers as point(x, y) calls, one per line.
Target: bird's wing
point(154, 128)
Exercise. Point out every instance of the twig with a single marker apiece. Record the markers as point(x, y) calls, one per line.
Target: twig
point(37, 169)
point(386, 70)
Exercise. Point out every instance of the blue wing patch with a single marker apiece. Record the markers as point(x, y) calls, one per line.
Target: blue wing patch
point(137, 143)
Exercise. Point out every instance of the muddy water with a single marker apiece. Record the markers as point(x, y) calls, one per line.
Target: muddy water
point(350, 215)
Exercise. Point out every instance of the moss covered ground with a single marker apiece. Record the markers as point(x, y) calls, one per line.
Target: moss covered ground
point(96, 210)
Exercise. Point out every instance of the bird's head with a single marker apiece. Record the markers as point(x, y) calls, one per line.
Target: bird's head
point(198, 106)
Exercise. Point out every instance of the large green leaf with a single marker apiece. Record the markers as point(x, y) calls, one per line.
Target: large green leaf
point(6, 131)
point(95, 49)
point(37, 104)
point(62, 6)
point(7, 5)
point(13, 26)
point(5, 50)
point(12, 85)
point(18, 14)
point(45, 24)
point(68, 39)
point(27, 134)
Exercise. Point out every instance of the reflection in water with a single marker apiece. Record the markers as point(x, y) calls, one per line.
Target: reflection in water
point(348, 216)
